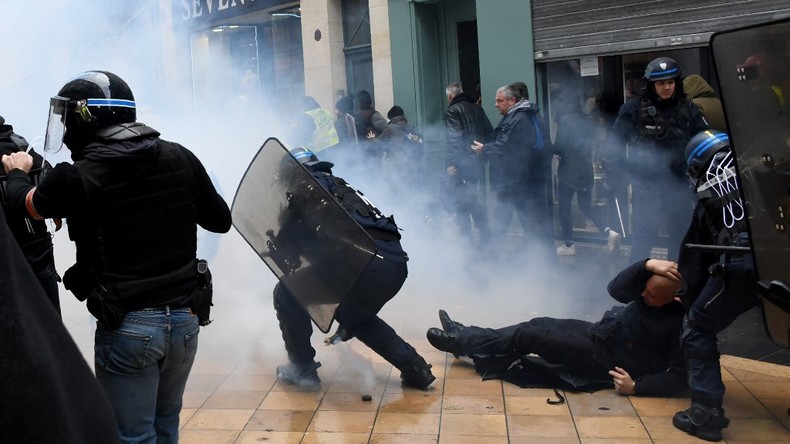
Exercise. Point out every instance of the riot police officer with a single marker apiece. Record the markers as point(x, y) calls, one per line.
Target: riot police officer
point(646, 148)
point(357, 315)
point(133, 202)
point(721, 285)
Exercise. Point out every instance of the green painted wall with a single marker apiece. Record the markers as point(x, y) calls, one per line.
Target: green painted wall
point(504, 30)
point(422, 62)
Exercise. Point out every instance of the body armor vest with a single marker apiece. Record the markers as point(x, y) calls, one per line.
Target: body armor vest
point(653, 124)
point(360, 208)
point(661, 137)
point(140, 223)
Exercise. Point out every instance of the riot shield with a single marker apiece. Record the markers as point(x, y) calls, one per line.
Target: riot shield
point(753, 68)
point(301, 232)
point(351, 127)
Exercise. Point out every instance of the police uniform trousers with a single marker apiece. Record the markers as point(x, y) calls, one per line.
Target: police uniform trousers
point(723, 298)
point(378, 283)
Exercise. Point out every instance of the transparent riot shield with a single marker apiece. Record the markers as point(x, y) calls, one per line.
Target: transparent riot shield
point(351, 127)
point(753, 68)
point(301, 232)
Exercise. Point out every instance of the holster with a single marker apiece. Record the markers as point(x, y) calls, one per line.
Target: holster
point(104, 305)
point(202, 295)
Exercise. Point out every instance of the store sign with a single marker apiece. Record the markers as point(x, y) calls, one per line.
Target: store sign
point(209, 11)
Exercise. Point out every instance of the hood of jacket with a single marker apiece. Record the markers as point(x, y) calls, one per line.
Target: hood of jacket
point(524, 105)
point(696, 86)
point(10, 142)
point(126, 142)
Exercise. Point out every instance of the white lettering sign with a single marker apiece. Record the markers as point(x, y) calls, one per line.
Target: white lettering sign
point(192, 9)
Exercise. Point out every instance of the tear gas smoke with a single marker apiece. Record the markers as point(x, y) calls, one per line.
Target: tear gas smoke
point(47, 45)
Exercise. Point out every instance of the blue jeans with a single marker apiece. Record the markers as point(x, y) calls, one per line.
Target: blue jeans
point(143, 367)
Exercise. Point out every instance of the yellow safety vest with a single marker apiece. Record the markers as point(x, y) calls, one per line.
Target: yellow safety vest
point(325, 134)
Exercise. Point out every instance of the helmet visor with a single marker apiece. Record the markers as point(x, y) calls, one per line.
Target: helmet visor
point(56, 124)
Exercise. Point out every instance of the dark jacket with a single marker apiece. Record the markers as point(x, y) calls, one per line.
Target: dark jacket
point(31, 234)
point(574, 146)
point(132, 202)
point(368, 119)
point(650, 156)
point(44, 372)
point(465, 122)
point(645, 338)
point(701, 94)
point(518, 150)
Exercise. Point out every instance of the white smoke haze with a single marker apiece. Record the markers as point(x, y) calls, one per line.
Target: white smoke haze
point(48, 44)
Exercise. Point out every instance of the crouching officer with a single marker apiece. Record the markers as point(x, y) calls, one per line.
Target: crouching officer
point(719, 270)
point(133, 202)
point(378, 282)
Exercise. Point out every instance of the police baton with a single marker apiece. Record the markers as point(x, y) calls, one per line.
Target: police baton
point(619, 215)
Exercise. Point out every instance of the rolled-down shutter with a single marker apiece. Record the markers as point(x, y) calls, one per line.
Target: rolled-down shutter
point(575, 28)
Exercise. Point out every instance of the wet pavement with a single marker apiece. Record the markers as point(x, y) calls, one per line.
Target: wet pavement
point(233, 395)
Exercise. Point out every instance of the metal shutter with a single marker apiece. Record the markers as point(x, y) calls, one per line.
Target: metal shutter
point(574, 28)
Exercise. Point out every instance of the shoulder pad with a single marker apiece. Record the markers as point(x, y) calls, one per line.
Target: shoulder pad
point(126, 131)
point(19, 141)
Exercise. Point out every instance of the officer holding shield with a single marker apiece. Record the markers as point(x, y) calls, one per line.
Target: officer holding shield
point(718, 266)
point(377, 283)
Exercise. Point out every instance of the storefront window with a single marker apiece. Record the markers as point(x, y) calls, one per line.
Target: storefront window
point(256, 65)
point(597, 86)
point(225, 64)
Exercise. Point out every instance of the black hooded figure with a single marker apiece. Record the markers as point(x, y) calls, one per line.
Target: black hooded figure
point(646, 148)
point(31, 234)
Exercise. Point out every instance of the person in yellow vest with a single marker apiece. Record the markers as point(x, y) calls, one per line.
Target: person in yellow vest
point(312, 127)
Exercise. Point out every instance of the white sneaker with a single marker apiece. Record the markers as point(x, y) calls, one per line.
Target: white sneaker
point(564, 250)
point(613, 242)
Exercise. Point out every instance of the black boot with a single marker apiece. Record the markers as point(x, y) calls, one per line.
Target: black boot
point(444, 341)
point(702, 421)
point(418, 374)
point(448, 324)
point(304, 376)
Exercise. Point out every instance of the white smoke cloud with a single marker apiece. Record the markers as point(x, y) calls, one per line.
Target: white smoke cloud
point(46, 45)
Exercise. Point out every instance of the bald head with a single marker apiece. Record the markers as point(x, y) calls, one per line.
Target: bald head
point(660, 290)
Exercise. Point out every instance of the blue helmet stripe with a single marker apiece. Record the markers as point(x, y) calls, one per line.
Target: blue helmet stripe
point(706, 144)
point(112, 102)
point(662, 73)
point(302, 154)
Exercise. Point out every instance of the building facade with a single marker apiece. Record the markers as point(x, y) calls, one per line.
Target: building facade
point(597, 49)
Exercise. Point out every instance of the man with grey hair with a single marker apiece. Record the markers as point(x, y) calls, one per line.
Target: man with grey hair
point(466, 122)
point(517, 159)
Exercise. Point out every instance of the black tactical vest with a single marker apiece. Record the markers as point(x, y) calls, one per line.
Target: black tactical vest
point(140, 223)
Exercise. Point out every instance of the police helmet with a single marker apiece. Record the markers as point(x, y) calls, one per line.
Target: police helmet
point(89, 102)
point(108, 98)
point(662, 68)
point(310, 161)
point(701, 149)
